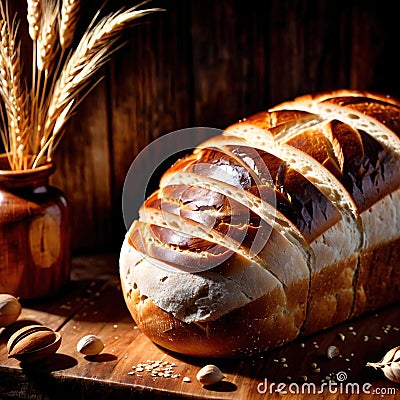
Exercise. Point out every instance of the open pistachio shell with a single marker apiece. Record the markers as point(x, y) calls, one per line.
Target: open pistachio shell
point(33, 343)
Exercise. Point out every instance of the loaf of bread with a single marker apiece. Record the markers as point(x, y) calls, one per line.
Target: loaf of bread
point(284, 225)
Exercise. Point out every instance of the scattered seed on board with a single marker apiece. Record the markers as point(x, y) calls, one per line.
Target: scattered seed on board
point(341, 337)
point(156, 369)
point(186, 379)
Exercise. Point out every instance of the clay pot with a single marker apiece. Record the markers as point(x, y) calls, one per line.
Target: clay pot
point(34, 233)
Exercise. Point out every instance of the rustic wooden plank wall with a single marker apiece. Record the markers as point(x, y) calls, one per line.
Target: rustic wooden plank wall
point(209, 63)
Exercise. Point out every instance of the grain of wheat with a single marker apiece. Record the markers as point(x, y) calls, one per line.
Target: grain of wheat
point(69, 19)
point(34, 17)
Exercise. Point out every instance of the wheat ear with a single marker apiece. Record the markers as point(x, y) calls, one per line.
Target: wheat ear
point(48, 38)
point(14, 94)
point(34, 16)
point(69, 18)
point(92, 52)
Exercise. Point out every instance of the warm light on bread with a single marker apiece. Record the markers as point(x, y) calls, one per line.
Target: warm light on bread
point(284, 225)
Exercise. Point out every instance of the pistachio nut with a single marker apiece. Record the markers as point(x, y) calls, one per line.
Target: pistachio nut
point(209, 375)
point(33, 343)
point(90, 345)
point(10, 309)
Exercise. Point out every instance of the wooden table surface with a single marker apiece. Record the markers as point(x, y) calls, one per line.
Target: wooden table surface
point(93, 303)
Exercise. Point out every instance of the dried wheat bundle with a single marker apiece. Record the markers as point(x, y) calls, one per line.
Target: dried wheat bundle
point(33, 119)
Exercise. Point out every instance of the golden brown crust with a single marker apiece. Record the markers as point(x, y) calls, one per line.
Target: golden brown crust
point(255, 327)
point(329, 163)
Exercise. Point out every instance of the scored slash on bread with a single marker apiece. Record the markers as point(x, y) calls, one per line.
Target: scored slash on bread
point(271, 230)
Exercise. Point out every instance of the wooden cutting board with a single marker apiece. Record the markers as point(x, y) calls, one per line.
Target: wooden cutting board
point(93, 303)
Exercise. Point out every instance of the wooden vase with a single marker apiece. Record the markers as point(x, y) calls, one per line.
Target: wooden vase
point(34, 233)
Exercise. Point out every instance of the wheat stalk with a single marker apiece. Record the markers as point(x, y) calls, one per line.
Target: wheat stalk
point(14, 94)
point(69, 19)
point(92, 52)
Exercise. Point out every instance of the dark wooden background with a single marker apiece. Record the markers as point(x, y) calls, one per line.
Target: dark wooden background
point(210, 63)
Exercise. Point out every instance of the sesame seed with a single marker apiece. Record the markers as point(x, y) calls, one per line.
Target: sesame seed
point(186, 379)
